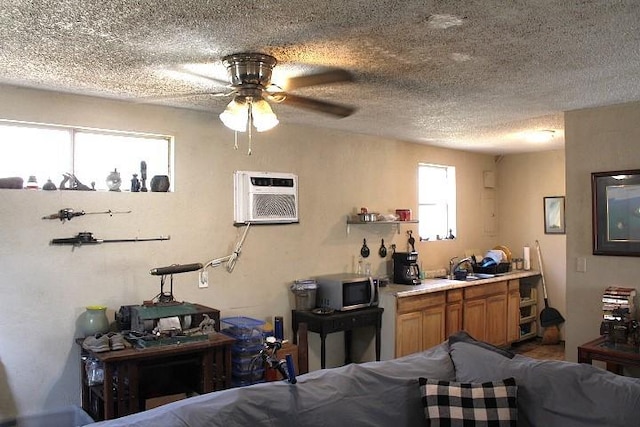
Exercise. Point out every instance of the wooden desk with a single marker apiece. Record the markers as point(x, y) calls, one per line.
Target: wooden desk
point(132, 375)
point(339, 321)
point(615, 355)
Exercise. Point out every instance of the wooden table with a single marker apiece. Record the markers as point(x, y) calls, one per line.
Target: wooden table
point(339, 321)
point(615, 355)
point(208, 363)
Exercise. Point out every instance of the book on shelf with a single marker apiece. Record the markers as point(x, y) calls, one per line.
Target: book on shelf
point(619, 291)
point(609, 300)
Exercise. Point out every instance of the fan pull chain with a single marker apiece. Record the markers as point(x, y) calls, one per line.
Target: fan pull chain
point(235, 140)
point(250, 124)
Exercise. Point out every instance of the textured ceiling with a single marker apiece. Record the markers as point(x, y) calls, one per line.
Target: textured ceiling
point(470, 75)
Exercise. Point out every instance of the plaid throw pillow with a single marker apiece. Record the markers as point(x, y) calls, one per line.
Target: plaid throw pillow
point(490, 404)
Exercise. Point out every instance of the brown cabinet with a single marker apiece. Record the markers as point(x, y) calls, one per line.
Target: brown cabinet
point(485, 312)
point(454, 311)
point(492, 312)
point(475, 318)
point(420, 322)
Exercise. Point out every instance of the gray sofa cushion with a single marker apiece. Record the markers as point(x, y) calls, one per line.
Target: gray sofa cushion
point(463, 336)
point(370, 394)
point(554, 393)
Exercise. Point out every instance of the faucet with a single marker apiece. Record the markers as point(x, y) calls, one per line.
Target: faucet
point(453, 267)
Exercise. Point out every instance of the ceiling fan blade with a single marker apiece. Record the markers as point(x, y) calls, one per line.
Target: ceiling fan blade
point(218, 82)
point(317, 105)
point(181, 95)
point(327, 77)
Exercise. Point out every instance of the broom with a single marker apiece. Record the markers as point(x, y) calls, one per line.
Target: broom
point(550, 318)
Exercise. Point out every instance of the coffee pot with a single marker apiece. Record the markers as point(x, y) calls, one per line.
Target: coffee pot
point(405, 268)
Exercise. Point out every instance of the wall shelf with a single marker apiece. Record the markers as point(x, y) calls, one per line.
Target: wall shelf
point(396, 224)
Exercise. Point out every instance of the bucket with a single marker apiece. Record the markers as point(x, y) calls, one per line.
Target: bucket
point(305, 294)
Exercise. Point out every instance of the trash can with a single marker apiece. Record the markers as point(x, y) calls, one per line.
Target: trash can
point(305, 293)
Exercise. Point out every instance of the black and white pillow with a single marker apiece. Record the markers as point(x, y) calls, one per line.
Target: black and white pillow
point(449, 403)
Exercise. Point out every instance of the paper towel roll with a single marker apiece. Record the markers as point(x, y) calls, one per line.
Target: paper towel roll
point(527, 258)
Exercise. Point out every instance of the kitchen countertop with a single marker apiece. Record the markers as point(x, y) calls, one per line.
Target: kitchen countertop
point(436, 285)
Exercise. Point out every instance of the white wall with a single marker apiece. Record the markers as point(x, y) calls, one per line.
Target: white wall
point(524, 180)
point(45, 289)
point(597, 140)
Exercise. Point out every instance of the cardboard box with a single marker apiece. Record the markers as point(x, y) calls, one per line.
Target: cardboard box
point(154, 402)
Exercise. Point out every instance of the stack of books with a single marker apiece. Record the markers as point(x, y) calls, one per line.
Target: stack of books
point(618, 304)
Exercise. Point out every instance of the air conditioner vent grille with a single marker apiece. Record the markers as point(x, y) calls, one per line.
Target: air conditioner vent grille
point(274, 206)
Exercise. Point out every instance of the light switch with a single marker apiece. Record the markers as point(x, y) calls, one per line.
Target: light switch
point(581, 265)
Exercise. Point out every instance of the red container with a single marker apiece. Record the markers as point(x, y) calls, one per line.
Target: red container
point(403, 214)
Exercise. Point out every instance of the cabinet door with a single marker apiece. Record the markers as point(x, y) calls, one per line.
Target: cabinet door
point(453, 318)
point(475, 319)
point(433, 326)
point(408, 333)
point(496, 320)
point(513, 316)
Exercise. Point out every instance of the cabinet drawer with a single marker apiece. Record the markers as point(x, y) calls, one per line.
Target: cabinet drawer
point(454, 295)
point(420, 302)
point(348, 322)
point(480, 291)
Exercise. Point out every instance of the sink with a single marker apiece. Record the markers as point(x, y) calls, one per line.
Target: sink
point(478, 276)
point(482, 275)
point(470, 277)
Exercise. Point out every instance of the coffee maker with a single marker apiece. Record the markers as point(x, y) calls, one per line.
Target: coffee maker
point(405, 268)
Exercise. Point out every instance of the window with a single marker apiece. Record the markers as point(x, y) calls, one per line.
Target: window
point(49, 151)
point(436, 201)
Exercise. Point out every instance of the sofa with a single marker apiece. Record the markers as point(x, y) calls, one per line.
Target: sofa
point(396, 393)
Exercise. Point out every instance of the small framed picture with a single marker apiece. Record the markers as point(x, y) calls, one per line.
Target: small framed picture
point(616, 212)
point(554, 215)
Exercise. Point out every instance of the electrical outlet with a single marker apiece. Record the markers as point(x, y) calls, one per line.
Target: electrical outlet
point(581, 265)
point(203, 279)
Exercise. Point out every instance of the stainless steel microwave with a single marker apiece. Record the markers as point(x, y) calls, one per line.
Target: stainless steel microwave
point(346, 291)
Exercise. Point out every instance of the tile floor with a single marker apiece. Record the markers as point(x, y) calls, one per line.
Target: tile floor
point(533, 348)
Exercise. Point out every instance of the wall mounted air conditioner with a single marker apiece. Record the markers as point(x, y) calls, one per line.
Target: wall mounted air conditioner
point(265, 197)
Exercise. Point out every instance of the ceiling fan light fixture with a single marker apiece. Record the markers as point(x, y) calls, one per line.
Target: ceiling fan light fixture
point(236, 116)
point(263, 116)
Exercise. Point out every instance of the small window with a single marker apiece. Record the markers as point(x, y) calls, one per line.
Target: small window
point(49, 151)
point(436, 201)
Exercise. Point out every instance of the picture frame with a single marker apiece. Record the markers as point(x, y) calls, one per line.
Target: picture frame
point(554, 215)
point(616, 212)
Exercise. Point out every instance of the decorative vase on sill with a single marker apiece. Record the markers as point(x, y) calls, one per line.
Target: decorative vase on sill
point(160, 183)
point(95, 320)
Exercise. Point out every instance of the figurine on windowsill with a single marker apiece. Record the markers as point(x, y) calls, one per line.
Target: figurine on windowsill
point(114, 181)
point(74, 183)
point(135, 183)
point(143, 176)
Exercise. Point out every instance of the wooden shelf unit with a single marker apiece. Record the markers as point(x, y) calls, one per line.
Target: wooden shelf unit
point(528, 308)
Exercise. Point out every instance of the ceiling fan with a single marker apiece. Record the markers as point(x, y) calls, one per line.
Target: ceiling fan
point(250, 82)
point(250, 78)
